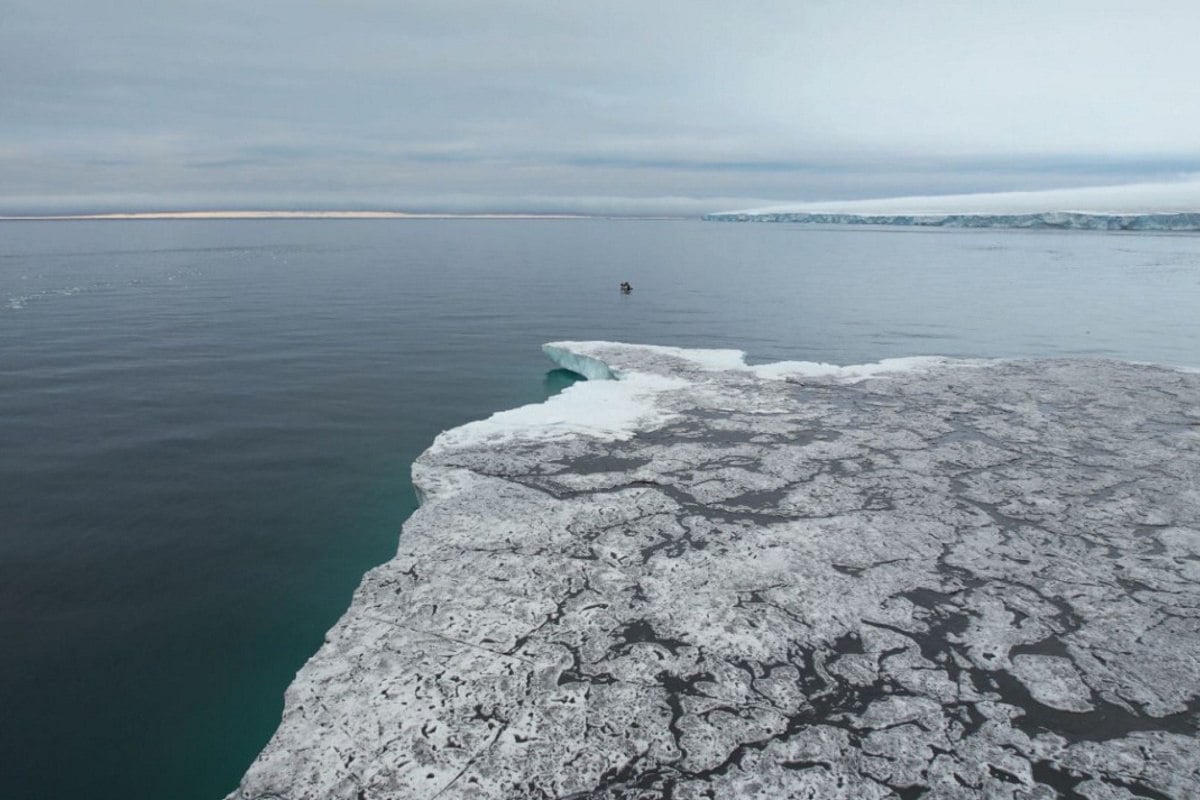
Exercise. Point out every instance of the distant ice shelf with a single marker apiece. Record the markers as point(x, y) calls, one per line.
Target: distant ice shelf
point(1066, 220)
point(1164, 206)
point(690, 577)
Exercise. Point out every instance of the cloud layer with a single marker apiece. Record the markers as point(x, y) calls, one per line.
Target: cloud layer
point(615, 107)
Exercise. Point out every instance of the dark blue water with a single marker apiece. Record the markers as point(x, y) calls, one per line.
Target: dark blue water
point(206, 427)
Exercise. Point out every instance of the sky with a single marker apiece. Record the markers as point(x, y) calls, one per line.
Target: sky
point(615, 107)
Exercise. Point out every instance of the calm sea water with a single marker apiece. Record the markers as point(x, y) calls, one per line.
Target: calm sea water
point(206, 427)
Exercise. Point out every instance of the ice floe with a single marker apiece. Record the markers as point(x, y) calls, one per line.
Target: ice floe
point(705, 579)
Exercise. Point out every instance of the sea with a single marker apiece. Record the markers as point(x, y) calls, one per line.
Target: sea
point(207, 426)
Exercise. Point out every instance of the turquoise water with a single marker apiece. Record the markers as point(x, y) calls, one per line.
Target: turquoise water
point(206, 426)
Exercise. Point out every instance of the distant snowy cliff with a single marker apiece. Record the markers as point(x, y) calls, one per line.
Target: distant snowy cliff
point(1172, 206)
point(1069, 220)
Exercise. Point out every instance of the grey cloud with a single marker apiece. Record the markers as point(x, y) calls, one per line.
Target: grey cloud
point(309, 103)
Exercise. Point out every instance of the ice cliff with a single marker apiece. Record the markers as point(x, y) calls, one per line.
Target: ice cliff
point(1167, 206)
point(1069, 220)
point(923, 578)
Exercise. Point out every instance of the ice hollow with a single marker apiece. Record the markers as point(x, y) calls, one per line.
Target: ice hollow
point(923, 578)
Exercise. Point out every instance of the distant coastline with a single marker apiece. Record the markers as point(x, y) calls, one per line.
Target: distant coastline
point(1164, 206)
point(1061, 220)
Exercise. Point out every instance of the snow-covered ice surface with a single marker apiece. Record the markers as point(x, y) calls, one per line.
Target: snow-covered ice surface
point(925, 578)
point(1145, 206)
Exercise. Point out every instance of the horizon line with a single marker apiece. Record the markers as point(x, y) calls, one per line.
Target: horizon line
point(319, 214)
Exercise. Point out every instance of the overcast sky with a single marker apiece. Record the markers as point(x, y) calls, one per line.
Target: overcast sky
point(556, 105)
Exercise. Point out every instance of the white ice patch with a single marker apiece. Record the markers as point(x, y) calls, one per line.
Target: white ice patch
point(1053, 681)
point(566, 353)
point(605, 409)
point(812, 369)
point(615, 359)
